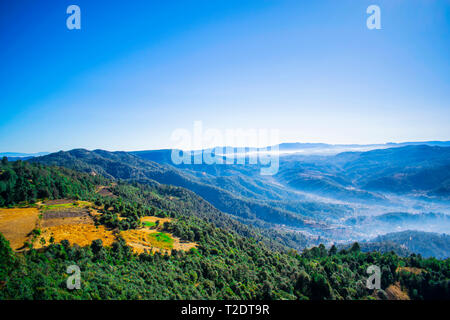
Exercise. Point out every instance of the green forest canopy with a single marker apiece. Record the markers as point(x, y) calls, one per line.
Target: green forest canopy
point(231, 261)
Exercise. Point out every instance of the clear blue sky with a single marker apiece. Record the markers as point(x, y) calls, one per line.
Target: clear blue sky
point(137, 70)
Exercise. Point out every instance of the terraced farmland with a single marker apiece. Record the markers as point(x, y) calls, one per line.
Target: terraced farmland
point(75, 221)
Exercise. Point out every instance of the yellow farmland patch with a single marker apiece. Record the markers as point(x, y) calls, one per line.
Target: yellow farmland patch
point(395, 292)
point(17, 224)
point(410, 270)
point(71, 220)
point(81, 234)
point(153, 239)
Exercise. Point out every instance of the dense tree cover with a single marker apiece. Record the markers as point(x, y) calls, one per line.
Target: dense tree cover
point(225, 266)
point(21, 182)
point(228, 197)
point(232, 261)
point(429, 244)
point(7, 258)
point(432, 280)
point(175, 202)
point(267, 203)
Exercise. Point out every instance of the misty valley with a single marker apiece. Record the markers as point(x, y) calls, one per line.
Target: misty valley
point(188, 154)
point(136, 226)
point(401, 192)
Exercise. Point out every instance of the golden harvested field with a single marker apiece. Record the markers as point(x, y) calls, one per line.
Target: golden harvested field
point(181, 245)
point(71, 220)
point(81, 234)
point(395, 292)
point(94, 212)
point(145, 239)
point(47, 223)
point(16, 225)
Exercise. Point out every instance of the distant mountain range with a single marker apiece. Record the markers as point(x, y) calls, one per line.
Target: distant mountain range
point(415, 169)
point(12, 156)
point(126, 166)
point(329, 149)
point(324, 198)
point(301, 147)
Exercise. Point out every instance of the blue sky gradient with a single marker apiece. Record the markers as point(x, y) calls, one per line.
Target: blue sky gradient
point(138, 70)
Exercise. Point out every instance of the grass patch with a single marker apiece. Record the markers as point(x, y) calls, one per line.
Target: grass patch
point(62, 206)
point(149, 224)
point(156, 195)
point(161, 240)
point(57, 206)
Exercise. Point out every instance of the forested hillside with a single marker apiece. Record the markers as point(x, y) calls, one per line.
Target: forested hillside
point(430, 244)
point(312, 199)
point(230, 261)
point(23, 183)
point(125, 166)
point(405, 170)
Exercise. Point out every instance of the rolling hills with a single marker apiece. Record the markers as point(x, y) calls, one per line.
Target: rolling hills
point(344, 197)
point(230, 261)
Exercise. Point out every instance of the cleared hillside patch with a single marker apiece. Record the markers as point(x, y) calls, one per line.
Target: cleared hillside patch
point(155, 220)
point(145, 239)
point(413, 270)
point(105, 191)
point(151, 238)
point(71, 220)
point(395, 292)
point(80, 234)
point(17, 225)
